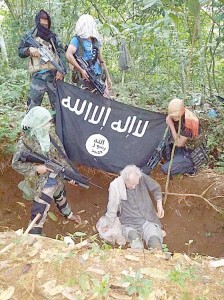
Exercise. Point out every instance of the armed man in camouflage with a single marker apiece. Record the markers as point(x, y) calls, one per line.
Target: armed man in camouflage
point(45, 185)
point(44, 75)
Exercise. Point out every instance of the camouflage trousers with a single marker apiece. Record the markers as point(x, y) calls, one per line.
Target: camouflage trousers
point(52, 190)
point(42, 83)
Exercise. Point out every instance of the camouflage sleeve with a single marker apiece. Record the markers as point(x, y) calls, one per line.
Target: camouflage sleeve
point(24, 168)
point(55, 154)
point(24, 46)
point(61, 51)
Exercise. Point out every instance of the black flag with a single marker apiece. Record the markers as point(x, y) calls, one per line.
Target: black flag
point(103, 133)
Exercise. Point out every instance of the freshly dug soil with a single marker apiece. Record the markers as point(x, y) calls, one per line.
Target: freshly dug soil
point(192, 226)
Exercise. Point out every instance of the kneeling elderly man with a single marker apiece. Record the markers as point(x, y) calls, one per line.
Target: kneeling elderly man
point(129, 198)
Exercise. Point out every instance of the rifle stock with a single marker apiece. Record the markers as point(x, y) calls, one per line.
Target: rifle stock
point(28, 156)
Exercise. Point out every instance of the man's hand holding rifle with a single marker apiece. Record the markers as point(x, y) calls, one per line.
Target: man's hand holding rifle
point(39, 50)
point(49, 165)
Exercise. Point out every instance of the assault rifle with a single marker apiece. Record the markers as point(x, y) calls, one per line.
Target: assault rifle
point(45, 54)
point(92, 77)
point(58, 169)
point(159, 151)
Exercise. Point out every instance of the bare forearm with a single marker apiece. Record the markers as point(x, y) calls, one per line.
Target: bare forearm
point(104, 66)
point(179, 139)
point(73, 61)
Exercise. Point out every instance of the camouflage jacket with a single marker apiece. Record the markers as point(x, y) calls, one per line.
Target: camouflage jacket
point(191, 143)
point(35, 180)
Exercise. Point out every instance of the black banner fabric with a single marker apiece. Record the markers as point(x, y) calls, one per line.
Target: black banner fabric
point(103, 133)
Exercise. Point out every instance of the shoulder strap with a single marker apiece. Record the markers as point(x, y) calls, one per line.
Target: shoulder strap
point(81, 46)
point(53, 45)
point(96, 43)
point(28, 147)
point(63, 154)
point(34, 34)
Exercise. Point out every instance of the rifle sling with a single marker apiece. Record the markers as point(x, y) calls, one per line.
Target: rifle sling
point(28, 147)
point(63, 154)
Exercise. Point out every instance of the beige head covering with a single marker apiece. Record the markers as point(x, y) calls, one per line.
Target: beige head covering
point(35, 121)
point(86, 27)
point(176, 107)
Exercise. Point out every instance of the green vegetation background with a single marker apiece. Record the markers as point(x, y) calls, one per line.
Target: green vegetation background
point(175, 50)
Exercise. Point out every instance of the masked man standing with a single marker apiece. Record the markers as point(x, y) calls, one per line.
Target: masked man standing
point(44, 73)
point(46, 185)
point(86, 44)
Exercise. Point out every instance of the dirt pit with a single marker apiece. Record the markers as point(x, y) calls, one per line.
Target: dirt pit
point(192, 225)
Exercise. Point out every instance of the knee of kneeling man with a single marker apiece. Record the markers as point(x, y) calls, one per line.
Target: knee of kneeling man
point(133, 235)
point(135, 240)
point(164, 169)
point(154, 242)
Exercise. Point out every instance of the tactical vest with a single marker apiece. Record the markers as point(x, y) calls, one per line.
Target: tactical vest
point(33, 183)
point(192, 144)
point(197, 146)
point(76, 76)
point(35, 64)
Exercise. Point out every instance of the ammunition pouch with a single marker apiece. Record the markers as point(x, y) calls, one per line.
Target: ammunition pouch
point(36, 64)
point(199, 156)
point(28, 187)
point(76, 76)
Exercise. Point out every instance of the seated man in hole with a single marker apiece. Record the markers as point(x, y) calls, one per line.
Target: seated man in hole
point(130, 199)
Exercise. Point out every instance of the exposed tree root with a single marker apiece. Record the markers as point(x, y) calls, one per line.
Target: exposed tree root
point(201, 196)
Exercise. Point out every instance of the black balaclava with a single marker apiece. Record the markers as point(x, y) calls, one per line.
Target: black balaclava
point(43, 32)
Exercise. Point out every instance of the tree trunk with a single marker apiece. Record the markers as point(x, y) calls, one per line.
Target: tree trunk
point(3, 48)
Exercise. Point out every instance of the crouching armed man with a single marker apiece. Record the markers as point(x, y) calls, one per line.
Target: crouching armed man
point(45, 184)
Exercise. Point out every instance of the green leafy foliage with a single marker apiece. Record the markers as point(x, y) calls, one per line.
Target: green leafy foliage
point(84, 281)
point(52, 216)
point(180, 276)
point(138, 286)
point(220, 164)
point(13, 89)
point(194, 7)
point(14, 85)
point(149, 3)
point(101, 288)
point(171, 54)
point(165, 248)
point(79, 234)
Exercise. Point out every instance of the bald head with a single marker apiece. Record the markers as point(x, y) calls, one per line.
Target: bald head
point(176, 109)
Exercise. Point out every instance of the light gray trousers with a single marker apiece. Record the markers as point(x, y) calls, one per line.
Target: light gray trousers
point(152, 235)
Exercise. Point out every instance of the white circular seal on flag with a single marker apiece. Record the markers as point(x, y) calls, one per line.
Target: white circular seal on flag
point(97, 145)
